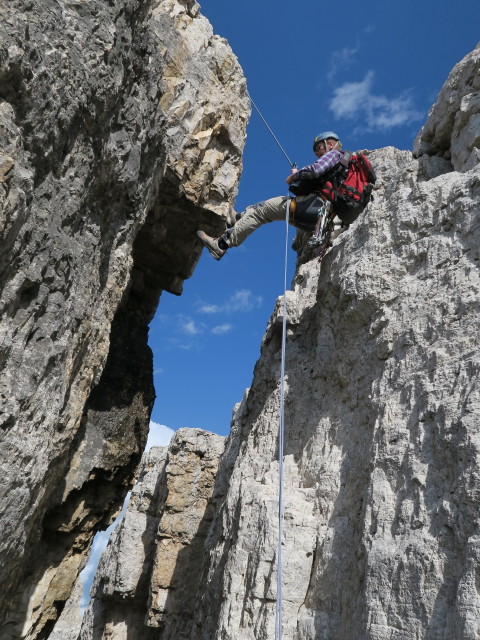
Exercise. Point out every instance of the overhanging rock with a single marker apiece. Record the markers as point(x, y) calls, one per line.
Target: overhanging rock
point(122, 126)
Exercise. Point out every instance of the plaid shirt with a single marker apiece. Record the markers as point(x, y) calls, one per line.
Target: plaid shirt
point(320, 166)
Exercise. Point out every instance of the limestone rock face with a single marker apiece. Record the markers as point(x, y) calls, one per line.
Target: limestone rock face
point(121, 587)
point(452, 130)
point(122, 125)
point(157, 550)
point(69, 622)
point(382, 450)
point(381, 536)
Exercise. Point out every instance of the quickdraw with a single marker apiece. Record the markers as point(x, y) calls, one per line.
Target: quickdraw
point(322, 229)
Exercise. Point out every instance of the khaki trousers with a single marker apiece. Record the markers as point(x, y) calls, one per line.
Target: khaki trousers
point(253, 217)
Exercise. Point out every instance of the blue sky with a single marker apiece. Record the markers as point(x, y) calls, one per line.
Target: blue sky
point(368, 71)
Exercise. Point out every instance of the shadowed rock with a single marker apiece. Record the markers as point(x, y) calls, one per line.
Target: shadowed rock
point(118, 139)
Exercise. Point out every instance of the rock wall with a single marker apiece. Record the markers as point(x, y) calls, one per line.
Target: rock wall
point(452, 130)
point(158, 548)
point(118, 139)
point(382, 452)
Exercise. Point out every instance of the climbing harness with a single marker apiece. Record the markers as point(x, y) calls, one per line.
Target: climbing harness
point(322, 226)
point(304, 212)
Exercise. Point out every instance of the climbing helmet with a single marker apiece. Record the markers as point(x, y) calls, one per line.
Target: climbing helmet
point(324, 136)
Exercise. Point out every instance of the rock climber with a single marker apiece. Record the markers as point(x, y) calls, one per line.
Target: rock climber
point(328, 149)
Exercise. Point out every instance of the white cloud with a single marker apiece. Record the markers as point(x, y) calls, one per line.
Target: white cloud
point(159, 435)
point(342, 60)
point(222, 328)
point(242, 301)
point(349, 99)
point(356, 100)
point(346, 57)
point(190, 327)
point(178, 343)
point(209, 308)
point(159, 319)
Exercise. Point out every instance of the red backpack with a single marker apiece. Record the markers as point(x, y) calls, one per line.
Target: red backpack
point(350, 187)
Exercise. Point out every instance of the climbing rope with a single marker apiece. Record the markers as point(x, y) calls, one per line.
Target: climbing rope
point(292, 164)
point(281, 428)
point(281, 439)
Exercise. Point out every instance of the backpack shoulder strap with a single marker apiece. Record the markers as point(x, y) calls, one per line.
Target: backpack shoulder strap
point(367, 166)
point(347, 155)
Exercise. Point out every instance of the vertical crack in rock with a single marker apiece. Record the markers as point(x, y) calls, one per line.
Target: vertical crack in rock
point(117, 141)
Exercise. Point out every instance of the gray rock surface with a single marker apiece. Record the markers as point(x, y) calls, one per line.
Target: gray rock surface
point(382, 452)
point(452, 131)
point(69, 622)
point(116, 121)
point(122, 125)
point(140, 585)
point(382, 458)
point(121, 587)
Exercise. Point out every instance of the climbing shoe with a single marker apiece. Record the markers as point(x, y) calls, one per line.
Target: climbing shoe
point(211, 244)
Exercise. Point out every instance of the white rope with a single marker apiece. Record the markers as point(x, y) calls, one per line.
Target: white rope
point(292, 164)
point(281, 438)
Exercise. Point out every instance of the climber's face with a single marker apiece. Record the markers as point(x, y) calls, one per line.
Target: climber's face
point(320, 149)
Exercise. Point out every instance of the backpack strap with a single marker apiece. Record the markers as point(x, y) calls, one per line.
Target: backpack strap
point(346, 158)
